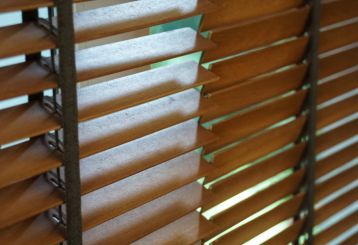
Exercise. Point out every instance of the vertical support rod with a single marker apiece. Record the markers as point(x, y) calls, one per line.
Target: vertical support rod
point(67, 77)
point(312, 80)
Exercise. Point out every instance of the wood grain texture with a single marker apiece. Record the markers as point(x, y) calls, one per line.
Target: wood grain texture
point(125, 160)
point(262, 223)
point(334, 11)
point(252, 121)
point(253, 34)
point(26, 160)
point(187, 230)
point(27, 199)
point(257, 90)
point(288, 235)
point(135, 15)
point(24, 78)
point(238, 69)
point(25, 121)
point(127, 194)
point(112, 130)
point(228, 9)
point(140, 88)
point(149, 217)
point(94, 62)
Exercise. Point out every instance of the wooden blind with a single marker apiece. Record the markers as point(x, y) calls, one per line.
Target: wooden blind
point(214, 152)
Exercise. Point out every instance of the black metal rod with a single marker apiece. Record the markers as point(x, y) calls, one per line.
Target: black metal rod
point(312, 80)
point(67, 78)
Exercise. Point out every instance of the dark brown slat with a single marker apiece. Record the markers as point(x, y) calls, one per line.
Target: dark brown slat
point(336, 205)
point(337, 111)
point(125, 160)
point(338, 37)
point(26, 160)
point(337, 135)
point(35, 231)
point(140, 88)
point(125, 55)
point(139, 222)
point(258, 201)
point(135, 15)
point(253, 175)
point(25, 78)
point(228, 9)
point(338, 86)
point(264, 222)
point(335, 183)
point(14, 5)
point(353, 240)
point(241, 68)
point(288, 235)
point(26, 199)
point(257, 90)
point(122, 196)
point(25, 121)
point(247, 151)
point(29, 38)
point(107, 132)
point(338, 62)
point(337, 229)
point(187, 230)
point(245, 36)
point(334, 11)
point(336, 160)
point(254, 120)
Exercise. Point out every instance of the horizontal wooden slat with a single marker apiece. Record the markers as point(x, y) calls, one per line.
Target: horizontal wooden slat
point(26, 160)
point(337, 135)
point(288, 235)
point(135, 15)
point(227, 14)
point(24, 78)
point(335, 183)
point(251, 229)
point(26, 199)
point(352, 240)
point(334, 11)
point(335, 206)
point(107, 132)
point(14, 5)
point(257, 90)
point(25, 121)
point(187, 230)
point(241, 68)
point(337, 111)
point(337, 229)
point(247, 151)
point(140, 88)
point(338, 37)
point(122, 196)
point(125, 160)
point(95, 62)
point(245, 36)
point(29, 38)
point(338, 86)
point(35, 231)
point(146, 219)
point(336, 160)
point(252, 121)
point(338, 62)
point(253, 175)
point(258, 201)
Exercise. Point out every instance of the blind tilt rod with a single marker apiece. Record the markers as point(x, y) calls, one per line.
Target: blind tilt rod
point(67, 78)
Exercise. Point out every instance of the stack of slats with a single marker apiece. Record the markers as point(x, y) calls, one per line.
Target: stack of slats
point(259, 119)
point(138, 134)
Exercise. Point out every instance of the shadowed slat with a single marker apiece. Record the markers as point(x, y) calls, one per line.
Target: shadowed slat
point(245, 36)
point(352, 240)
point(145, 219)
point(25, 121)
point(13, 5)
point(95, 62)
point(334, 11)
point(228, 9)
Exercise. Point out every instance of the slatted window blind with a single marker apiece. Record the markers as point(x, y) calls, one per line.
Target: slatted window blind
point(255, 143)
